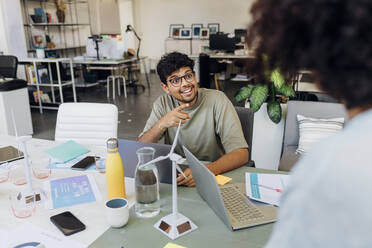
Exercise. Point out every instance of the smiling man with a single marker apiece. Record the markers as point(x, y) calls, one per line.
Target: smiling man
point(210, 125)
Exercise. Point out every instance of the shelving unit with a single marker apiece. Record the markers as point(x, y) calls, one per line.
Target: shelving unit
point(53, 83)
point(69, 37)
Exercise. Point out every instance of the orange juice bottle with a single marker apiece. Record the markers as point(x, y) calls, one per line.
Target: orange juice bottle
point(114, 171)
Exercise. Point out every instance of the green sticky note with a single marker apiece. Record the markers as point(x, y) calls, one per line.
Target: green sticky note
point(67, 151)
point(171, 245)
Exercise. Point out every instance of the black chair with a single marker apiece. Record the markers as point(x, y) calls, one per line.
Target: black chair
point(246, 117)
point(8, 66)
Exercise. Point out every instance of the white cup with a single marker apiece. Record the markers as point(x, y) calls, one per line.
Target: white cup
point(117, 212)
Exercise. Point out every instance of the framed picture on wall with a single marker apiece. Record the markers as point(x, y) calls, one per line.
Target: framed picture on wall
point(214, 28)
point(174, 30)
point(185, 33)
point(195, 30)
point(204, 33)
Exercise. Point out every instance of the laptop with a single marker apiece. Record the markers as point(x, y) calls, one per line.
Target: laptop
point(9, 154)
point(128, 149)
point(229, 201)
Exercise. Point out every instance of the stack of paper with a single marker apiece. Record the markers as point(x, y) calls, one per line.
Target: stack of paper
point(266, 188)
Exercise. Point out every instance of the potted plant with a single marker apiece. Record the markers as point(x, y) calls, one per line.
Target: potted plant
point(273, 90)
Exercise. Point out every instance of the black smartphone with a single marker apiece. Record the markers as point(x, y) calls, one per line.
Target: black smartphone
point(67, 223)
point(84, 163)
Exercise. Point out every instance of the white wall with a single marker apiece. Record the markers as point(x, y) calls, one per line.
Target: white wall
point(153, 17)
point(3, 41)
point(126, 18)
point(11, 15)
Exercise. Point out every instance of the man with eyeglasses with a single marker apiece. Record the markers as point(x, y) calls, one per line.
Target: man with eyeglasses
point(210, 125)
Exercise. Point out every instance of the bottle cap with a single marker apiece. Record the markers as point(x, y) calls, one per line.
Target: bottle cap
point(112, 143)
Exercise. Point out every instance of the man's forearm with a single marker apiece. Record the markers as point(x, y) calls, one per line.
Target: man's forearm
point(153, 135)
point(229, 161)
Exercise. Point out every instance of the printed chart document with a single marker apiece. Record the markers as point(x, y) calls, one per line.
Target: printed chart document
point(266, 188)
point(32, 236)
point(70, 191)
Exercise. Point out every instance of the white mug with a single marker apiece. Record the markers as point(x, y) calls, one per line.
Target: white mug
point(117, 212)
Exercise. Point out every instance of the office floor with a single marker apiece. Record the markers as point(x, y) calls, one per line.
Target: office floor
point(133, 110)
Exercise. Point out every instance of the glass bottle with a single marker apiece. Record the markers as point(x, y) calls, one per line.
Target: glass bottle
point(146, 184)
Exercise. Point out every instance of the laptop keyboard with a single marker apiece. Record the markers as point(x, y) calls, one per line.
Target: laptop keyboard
point(241, 209)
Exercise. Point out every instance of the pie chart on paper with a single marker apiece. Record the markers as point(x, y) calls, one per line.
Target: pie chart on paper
point(29, 245)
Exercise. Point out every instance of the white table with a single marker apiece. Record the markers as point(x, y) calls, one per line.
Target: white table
point(91, 214)
point(113, 65)
point(60, 84)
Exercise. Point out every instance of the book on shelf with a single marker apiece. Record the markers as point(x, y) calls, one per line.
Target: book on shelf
point(31, 76)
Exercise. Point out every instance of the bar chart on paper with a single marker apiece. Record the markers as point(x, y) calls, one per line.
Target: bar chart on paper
point(266, 188)
point(71, 191)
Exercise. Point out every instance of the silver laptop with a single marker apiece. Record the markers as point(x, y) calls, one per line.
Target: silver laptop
point(229, 201)
point(128, 149)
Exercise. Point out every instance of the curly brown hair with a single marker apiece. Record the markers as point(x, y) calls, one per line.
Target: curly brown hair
point(331, 37)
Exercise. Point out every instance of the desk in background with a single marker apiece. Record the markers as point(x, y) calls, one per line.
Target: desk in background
point(203, 66)
point(115, 65)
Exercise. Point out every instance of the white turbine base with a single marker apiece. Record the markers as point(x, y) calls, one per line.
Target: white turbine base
point(173, 223)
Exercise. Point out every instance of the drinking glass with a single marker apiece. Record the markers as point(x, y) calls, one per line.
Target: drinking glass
point(18, 173)
point(40, 167)
point(4, 172)
point(22, 204)
point(100, 158)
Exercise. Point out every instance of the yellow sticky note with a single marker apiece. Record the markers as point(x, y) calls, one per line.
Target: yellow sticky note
point(171, 245)
point(222, 180)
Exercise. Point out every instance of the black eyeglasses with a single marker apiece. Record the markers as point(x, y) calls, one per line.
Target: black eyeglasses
point(177, 81)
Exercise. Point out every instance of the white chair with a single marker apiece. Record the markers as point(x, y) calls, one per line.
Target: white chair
point(114, 79)
point(87, 123)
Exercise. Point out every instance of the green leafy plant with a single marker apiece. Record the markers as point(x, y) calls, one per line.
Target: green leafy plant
point(275, 91)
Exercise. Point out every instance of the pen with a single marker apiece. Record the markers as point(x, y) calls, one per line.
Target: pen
point(267, 187)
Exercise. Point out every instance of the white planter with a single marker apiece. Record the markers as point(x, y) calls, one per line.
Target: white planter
point(267, 138)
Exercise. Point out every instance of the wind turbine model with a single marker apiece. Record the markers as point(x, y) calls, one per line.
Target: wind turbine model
point(32, 194)
point(175, 224)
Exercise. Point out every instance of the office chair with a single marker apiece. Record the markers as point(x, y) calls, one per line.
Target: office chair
point(8, 66)
point(246, 117)
point(291, 133)
point(87, 123)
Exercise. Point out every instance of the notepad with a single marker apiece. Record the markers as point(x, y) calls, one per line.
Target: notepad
point(67, 151)
point(222, 180)
point(172, 245)
point(266, 188)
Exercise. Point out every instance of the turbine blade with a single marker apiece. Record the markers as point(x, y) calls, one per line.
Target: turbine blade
point(156, 160)
point(176, 138)
point(180, 170)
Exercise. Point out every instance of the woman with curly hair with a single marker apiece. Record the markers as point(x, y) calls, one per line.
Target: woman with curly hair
point(327, 203)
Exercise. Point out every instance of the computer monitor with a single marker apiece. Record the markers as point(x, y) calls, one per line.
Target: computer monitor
point(109, 47)
point(221, 42)
point(239, 33)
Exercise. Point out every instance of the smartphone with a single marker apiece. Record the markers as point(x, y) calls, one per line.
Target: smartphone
point(67, 223)
point(84, 163)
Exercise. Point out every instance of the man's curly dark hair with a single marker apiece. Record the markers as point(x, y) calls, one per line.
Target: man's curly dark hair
point(172, 62)
point(331, 37)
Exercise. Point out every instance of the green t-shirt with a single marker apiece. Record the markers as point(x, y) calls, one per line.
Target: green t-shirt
point(213, 130)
